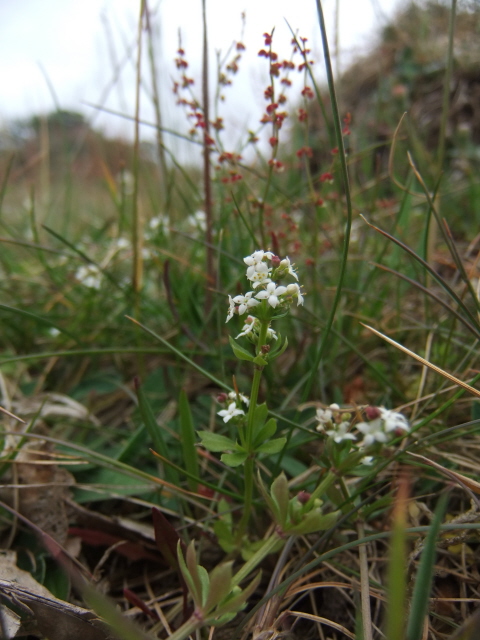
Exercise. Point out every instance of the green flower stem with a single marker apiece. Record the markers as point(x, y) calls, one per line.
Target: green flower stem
point(273, 543)
point(249, 435)
point(325, 484)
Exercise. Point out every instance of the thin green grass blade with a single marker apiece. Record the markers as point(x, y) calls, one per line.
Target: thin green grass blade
point(3, 187)
point(83, 255)
point(222, 490)
point(87, 352)
point(188, 439)
point(431, 270)
point(428, 292)
point(423, 582)
point(154, 430)
point(348, 201)
point(45, 321)
point(181, 355)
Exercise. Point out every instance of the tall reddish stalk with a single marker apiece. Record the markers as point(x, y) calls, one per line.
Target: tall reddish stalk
point(206, 164)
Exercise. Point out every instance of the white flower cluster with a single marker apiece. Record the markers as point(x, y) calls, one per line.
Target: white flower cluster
point(90, 276)
point(232, 410)
point(263, 267)
point(159, 224)
point(252, 327)
point(379, 429)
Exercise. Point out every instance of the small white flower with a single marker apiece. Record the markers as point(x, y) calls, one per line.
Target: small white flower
point(245, 302)
point(324, 416)
point(339, 433)
point(271, 334)
point(294, 291)
point(233, 396)
point(161, 222)
point(367, 460)
point(127, 181)
point(271, 294)
point(90, 276)
point(121, 243)
point(372, 431)
point(286, 264)
point(54, 332)
point(198, 219)
point(259, 274)
point(393, 420)
point(257, 257)
point(231, 308)
point(248, 327)
point(231, 412)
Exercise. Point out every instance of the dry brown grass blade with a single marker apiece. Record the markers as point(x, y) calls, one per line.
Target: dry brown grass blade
point(391, 157)
point(11, 415)
point(470, 484)
point(320, 620)
point(426, 363)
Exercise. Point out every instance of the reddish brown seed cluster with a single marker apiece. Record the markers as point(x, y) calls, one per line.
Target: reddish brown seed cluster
point(282, 227)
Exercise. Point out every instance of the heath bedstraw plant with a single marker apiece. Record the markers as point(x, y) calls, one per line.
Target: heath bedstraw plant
point(267, 301)
point(344, 449)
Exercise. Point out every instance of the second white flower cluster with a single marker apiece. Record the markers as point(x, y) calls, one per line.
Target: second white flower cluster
point(381, 426)
point(263, 269)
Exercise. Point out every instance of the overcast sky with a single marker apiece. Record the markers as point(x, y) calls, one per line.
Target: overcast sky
point(63, 52)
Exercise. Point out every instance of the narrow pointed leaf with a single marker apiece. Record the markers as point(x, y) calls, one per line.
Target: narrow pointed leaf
point(315, 521)
point(239, 601)
point(154, 430)
point(234, 459)
point(266, 432)
point(423, 582)
point(216, 442)
point(188, 439)
point(191, 583)
point(271, 447)
point(220, 585)
point(280, 495)
point(240, 352)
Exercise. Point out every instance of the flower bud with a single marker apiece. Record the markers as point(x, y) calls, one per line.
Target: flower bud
point(222, 397)
point(372, 413)
point(303, 497)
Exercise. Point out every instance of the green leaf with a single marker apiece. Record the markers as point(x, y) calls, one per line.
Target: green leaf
point(265, 432)
point(423, 582)
point(216, 442)
point(234, 459)
point(278, 350)
point(260, 361)
point(280, 494)
point(192, 584)
point(220, 586)
point(239, 600)
point(154, 430)
point(187, 432)
point(271, 447)
point(315, 521)
point(240, 352)
point(205, 583)
point(268, 499)
point(224, 535)
point(259, 416)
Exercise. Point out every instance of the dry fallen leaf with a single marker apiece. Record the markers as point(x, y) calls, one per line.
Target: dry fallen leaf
point(29, 608)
